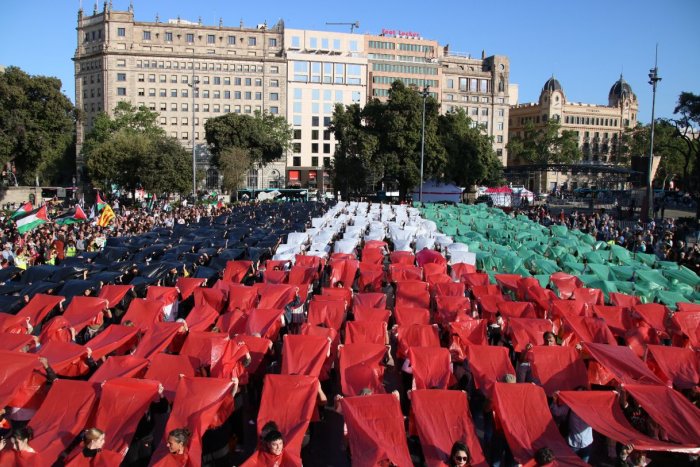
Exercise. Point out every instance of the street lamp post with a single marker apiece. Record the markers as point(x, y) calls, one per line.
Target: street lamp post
point(425, 95)
point(653, 79)
point(194, 87)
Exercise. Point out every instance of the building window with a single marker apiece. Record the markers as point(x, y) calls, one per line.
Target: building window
point(296, 148)
point(314, 148)
point(450, 83)
point(326, 121)
point(314, 161)
point(314, 135)
point(211, 39)
point(121, 32)
point(314, 121)
point(326, 148)
point(274, 69)
point(297, 134)
point(189, 38)
point(168, 37)
point(147, 35)
point(121, 76)
point(272, 42)
point(252, 41)
point(274, 96)
point(326, 161)
point(499, 139)
point(231, 40)
point(296, 161)
point(121, 91)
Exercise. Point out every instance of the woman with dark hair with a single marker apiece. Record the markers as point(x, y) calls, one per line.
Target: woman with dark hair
point(19, 452)
point(271, 451)
point(459, 455)
point(177, 442)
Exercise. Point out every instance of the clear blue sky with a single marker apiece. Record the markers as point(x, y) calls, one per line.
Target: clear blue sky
point(585, 44)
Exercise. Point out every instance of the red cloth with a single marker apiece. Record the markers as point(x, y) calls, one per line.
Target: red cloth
point(302, 274)
point(565, 284)
point(655, 315)
point(84, 311)
point(370, 299)
point(10, 457)
point(558, 368)
point(289, 401)
point(206, 347)
point(459, 270)
point(416, 335)
point(16, 342)
point(309, 262)
point(488, 365)
point(343, 270)
point(235, 271)
point(157, 339)
point(199, 404)
point(622, 363)
point(451, 289)
point(601, 410)
point(167, 368)
point(158, 292)
point(215, 298)
point(365, 332)
point(403, 272)
point(617, 318)
point(304, 355)
point(508, 282)
point(375, 430)
point(623, 300)
point(230, 363)
point(66, 358)
point(589, 296)
point(683, 307)
point(21, 377)
point(477, 279)
point(104, 458)
point(371, 277)
point(275, 276)
point(61, 417)
point(14, 324)
point(258, 348)
point(517, 309)
point(638, 338)
point(435, 274)
point(330, 313)
point(360, 367)
point(333, 293)
point(402, 257)
point(125, 366)
point(681, 367)
point(406, 316)
point(566, 308)
point(262, 458)
point(372, 256)
point(187, 285)
point(122, 403)
point(264, 322)
point(114, 293)
point(232, 322)
point(327, 333)
point(689, 324)
point(524, 415)
point(525, 331)
point(451, 308)
point(579, 329)
point(673, 412)
point(114, 338)
point(276, 295)
point(428, 256)
point(363, 313)
point(144, 313)
point(524, 285)
point(412, 294)
point(39, 307)
point(240, 296)
point(466, 333)
point(57, 329)
point(489, 306)
point(202, 317)
point(440, 418)
point(431, 367)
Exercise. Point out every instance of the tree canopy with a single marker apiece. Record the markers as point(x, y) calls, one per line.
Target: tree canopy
point(37, 127)
point(382, 143)
point(545, 145)
point(132, 151)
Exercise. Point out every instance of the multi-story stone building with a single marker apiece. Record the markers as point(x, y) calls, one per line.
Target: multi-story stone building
point(324, 69)
point(155, 64)
point(599, 128)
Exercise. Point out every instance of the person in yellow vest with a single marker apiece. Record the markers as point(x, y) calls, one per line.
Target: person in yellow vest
point(21, 259)
point(71, 250)
point(51, 258)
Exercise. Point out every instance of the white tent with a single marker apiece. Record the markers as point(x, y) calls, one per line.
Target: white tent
point(435, 191)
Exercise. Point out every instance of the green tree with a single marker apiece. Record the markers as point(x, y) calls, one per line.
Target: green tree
point(37, 127)
point(397, 125)
point(234, 163)
point(545, 145)
point(266, 137)
point(687, 125)
point(470, 155)
point(131, 150)
point(355, 152)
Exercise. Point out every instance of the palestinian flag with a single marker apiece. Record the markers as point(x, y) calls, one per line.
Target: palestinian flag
point(32, 220)
point(100, 203)
point(23, 210)
point(72, 216)
point(106, 217)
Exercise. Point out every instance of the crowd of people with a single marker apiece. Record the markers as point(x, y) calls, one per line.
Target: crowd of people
point(667, 238)
point(231, 442)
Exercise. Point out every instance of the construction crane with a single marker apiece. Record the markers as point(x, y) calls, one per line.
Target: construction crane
point(354, 25)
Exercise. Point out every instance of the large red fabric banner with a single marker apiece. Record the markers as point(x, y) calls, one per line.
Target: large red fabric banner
point(558, 368)
point(376, 430)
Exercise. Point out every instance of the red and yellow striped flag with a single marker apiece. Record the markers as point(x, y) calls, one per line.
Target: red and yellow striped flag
point(106, 217)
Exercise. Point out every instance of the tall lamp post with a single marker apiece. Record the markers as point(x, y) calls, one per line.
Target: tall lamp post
point(194, 87)
point(653, 79)
point(424, 93)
